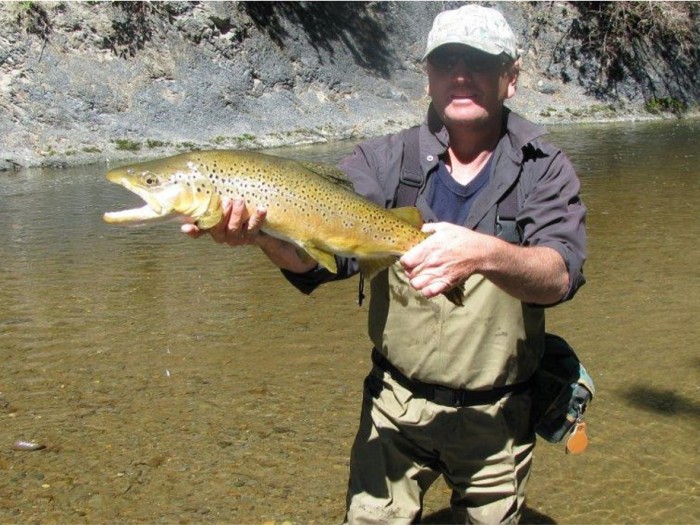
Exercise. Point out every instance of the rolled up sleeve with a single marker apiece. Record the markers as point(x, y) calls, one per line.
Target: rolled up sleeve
point(554, 215)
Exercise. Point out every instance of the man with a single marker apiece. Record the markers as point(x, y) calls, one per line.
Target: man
point(447, 394)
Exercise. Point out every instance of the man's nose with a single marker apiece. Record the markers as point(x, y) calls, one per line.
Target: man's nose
point(461, 69)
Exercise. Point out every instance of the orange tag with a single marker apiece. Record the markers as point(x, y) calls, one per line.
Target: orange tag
point(578, 440)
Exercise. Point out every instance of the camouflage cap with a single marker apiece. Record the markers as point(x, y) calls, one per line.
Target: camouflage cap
point(475, 26)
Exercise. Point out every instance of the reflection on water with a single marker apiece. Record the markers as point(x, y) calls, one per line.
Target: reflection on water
point(173, 379)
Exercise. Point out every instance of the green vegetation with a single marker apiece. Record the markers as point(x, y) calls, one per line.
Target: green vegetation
point(221, 140)
point(152, 144)
point(133, 27)
point(666, 105)
point(127, 145)
point(246, 137)
point(33, 18)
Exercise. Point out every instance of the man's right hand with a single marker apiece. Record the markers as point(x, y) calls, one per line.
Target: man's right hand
point(239, 228)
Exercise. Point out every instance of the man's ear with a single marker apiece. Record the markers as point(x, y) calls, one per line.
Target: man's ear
point(513, 74)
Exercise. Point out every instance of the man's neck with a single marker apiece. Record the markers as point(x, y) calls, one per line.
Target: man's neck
point(471, 148)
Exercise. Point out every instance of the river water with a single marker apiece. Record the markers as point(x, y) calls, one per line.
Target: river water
point(178, 381)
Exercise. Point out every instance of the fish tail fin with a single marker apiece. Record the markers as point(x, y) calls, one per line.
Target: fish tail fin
point(455, 295)
point(409, 214)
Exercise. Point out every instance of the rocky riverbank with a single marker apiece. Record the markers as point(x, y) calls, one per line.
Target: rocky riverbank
point(81, 82)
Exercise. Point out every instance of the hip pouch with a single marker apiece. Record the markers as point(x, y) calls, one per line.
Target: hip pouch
point(561, 392)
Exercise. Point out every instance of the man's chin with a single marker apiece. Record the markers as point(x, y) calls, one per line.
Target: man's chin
point(465, 116)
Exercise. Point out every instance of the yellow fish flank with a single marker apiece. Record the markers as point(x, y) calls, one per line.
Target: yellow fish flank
point(309, 204)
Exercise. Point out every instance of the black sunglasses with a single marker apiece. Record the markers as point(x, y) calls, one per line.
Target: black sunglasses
point(446, 59)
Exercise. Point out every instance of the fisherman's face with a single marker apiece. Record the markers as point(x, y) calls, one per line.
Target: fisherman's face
point(467, 86)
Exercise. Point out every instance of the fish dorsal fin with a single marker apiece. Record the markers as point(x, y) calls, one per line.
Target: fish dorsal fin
point(328, 172)
point(409, 214)
point(456, 295)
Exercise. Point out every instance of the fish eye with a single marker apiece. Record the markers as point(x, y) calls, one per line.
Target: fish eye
point(149, 178)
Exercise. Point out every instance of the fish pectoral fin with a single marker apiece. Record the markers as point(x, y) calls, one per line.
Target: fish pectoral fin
point(371, 267)
point(409, 214)
point(213, 214)
point(324, 258)
point(200, 201)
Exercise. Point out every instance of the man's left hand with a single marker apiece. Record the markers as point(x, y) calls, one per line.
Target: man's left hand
point(445, 259)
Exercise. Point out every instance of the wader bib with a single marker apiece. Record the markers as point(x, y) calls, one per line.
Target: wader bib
point(426, 339)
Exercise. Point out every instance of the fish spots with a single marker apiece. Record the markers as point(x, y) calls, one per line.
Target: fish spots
point(298, 199)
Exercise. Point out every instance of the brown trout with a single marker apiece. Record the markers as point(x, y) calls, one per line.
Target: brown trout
point(309, 204)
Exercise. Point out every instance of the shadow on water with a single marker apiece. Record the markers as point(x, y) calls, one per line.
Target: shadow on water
point(353, 24)
point(529, 517)
point(666, 402)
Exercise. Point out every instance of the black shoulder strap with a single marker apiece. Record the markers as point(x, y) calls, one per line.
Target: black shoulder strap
point(508, 205)
point(411, 176)
point(507, 227)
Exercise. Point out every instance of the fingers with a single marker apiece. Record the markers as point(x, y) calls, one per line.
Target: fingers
point(237, 227)
point(237, 216)
point(256, 221)
point(432, 283)
point(411, 259)
point(191, 230)
point(415, 260)
point(249, 230)
point(439, 262)
point(219, 232)
point(430, 227)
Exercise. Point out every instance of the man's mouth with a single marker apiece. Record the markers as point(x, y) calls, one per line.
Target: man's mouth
point(463, 97)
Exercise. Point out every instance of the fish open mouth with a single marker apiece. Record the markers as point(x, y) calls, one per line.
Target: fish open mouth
point(152, 209)
point(145, 213)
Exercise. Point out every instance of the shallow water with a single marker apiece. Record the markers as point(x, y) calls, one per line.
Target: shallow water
point(173, 380)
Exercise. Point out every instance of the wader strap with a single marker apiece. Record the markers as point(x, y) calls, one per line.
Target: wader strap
point(443, 395)
point(411, 175)
point(507, 227)
point(361, 290)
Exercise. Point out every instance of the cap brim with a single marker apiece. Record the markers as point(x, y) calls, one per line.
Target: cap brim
point(490, 50)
